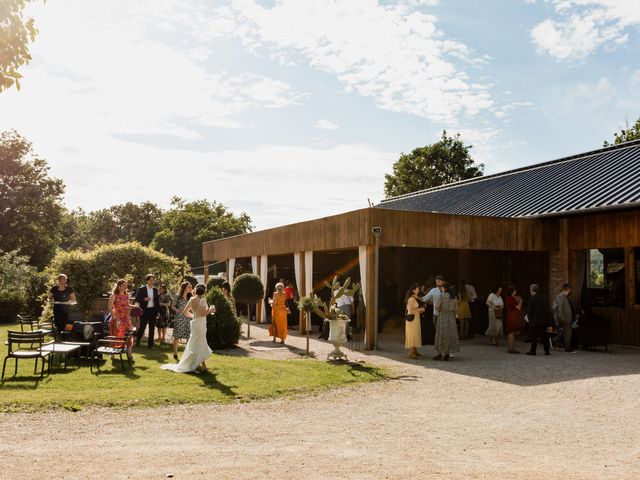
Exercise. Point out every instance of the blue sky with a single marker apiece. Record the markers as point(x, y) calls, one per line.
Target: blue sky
point(295, 109)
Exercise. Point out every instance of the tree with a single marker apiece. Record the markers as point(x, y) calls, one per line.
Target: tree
point(626, 135)
point(117, 224)
point(443, 162)
point(30, 201)
point(187, 224)
point(15, 34)
point(16, 279)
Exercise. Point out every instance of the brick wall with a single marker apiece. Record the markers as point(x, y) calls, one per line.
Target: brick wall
point(559, 263)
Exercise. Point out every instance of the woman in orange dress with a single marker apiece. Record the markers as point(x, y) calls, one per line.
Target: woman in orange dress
point(120, 309)
point(278, 326)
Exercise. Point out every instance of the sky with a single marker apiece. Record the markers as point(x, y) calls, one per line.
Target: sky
point(291, 110)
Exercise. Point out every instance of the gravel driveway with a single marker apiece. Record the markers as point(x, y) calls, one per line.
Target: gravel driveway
point(484, 415)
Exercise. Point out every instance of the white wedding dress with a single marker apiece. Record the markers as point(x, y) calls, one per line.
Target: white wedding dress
point(197, 349)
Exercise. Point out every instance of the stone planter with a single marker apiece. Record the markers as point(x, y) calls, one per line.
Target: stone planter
point(338, 337)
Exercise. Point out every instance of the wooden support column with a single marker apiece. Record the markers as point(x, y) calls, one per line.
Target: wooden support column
point(372, 285)
point(260, 304)
point(206, 272)
point(304, 291)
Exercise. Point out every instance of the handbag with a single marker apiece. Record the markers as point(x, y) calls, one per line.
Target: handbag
point(498, 314)
point(409, 317)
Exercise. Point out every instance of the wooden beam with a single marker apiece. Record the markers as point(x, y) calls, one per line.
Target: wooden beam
point(302, 293)
point(370, 317)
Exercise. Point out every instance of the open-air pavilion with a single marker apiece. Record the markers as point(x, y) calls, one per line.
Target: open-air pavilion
point(574, 219)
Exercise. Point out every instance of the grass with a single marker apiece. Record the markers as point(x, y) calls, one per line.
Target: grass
point(231, 378)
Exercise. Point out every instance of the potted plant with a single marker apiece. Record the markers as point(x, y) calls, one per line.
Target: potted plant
point(248, 288)
point(337, 320)
point(308, 305)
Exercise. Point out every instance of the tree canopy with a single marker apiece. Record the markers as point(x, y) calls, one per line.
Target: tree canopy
point(448, 160)
point(31, 208)
point(16, 32)
point(626, 134)
point(187, 224)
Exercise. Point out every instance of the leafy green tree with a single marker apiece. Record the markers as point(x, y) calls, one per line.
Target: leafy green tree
point(626, 134)
point(31, 208)
point(448, 160)
point(16, 280)
point(187, 224)
point(16, 32)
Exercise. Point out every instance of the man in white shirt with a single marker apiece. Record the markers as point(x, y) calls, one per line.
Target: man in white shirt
point(434, 296)
point(345, 304)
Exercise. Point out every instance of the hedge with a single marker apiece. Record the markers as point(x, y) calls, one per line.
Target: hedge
point(95, 272)
point(223, 327)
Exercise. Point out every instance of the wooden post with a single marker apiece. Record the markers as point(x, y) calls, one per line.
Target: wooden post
point(260, 305)
point(206, 272)
point(302, 293)
point(372, 285)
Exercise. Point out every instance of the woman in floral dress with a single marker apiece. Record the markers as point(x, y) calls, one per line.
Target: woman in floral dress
point(120, 320)
point(181, 323)
point(446, 341)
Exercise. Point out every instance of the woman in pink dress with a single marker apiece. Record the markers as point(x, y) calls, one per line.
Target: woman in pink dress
point(120, 320)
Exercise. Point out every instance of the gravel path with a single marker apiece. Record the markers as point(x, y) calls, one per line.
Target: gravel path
point(484, 415)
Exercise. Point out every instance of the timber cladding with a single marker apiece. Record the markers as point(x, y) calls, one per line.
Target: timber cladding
point(604, 230)
point(435, 230)
point(400, 228)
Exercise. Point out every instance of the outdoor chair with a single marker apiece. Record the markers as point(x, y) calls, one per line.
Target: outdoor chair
point(26, 345)
point(28, 323)
point(112, 346)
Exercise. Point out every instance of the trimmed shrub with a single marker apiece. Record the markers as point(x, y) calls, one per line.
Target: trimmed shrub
point(215, 282)
point(94, 273)
point(223, 327)
point(191, 279)
point(248, 288)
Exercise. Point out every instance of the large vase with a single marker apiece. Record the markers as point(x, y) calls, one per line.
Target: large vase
point(338, 337)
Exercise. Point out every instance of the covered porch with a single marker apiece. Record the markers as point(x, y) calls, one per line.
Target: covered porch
point(408, 247)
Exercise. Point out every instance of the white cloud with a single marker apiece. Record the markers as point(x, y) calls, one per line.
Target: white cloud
point(101, 65)
point(583, 26)
point(323, 124)
point(392, 53)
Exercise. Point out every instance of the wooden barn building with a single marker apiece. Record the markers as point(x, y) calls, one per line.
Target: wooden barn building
point(576, 220)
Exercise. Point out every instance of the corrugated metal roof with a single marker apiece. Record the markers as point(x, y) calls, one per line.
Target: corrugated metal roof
point(604, 178)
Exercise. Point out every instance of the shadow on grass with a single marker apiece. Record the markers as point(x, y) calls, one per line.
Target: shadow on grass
point(210, 380)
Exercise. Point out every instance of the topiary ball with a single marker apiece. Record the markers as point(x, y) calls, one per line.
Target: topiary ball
point(247, 288)
point(215, 282)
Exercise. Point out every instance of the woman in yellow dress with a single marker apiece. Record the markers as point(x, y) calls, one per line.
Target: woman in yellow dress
point(413, 332)
point(278, 326)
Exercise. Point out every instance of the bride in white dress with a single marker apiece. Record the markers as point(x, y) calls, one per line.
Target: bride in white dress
point(197, 349)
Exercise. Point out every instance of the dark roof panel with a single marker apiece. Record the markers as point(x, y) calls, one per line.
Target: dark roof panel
point(605, 178)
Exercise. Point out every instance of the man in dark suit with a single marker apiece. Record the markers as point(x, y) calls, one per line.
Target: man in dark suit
point(147, 298)
point(538, 314)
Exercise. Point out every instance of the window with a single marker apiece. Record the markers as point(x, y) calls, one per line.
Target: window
point(606, 277)
point(595, 265)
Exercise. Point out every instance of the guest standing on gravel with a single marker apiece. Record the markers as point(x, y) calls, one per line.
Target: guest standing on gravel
point(495, 306)
point(412, 331)
point(446, 341)
point(539, 319)
point(513, 309)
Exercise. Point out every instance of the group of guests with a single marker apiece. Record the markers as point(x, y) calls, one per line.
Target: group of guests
point(452, 316)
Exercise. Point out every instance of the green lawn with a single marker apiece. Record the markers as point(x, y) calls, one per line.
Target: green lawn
point(230, 378)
